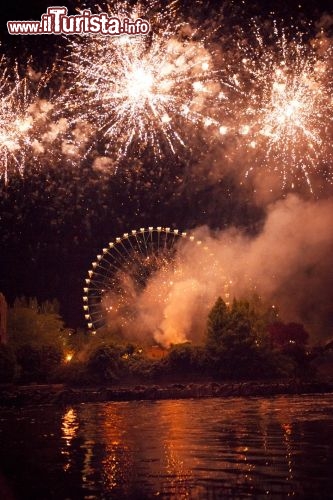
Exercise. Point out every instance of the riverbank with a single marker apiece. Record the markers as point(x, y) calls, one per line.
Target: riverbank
point(60, 394)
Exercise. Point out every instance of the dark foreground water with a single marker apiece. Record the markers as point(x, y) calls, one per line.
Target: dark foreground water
point(206, 448)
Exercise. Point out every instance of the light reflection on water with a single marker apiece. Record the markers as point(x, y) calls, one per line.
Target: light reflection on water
point(69, 429)
point(210, 448)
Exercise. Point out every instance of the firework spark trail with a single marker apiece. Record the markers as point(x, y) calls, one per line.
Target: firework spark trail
point(21, 115)
point(145, 298)
point(288, 116)
point(142, 91)
point(127, 286)
point(140, 285)
point(15, 125)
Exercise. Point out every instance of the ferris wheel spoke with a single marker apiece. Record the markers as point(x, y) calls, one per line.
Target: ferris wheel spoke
point(139, 244)
point(123, 272)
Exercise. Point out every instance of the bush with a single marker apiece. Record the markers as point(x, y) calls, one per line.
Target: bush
point(139, 368)
point(38, 362)
point(249, 362)
point(28, 357)
point(284, 335)
point(50, 359)
point(105, 363)
point(186, 359)
point(73, 373)
point(300, 360)
point(8, 365)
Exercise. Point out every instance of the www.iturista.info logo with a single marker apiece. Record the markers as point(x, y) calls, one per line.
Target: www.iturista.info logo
point(57, 22)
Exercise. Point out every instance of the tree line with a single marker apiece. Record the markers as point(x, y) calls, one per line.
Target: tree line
point(244, 340)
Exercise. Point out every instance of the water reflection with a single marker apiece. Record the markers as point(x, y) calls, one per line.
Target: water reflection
point(215, 448)
point(117, 462)
point(69, 429)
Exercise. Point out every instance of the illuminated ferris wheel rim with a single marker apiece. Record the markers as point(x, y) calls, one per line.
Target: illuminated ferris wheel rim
point(134, 234)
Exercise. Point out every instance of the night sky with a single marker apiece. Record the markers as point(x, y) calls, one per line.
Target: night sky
point(54, 220)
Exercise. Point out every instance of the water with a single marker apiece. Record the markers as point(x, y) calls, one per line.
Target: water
point(206, 448)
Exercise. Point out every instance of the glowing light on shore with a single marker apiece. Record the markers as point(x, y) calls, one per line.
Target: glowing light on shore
point(69, 357)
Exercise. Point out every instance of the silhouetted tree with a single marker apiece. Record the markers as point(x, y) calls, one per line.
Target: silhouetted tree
point(217, 323)
point(237, 339)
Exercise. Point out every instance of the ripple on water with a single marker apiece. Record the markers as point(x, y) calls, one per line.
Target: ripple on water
point(209, 448)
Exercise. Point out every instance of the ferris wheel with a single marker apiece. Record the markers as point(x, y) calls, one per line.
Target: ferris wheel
point(122, 271)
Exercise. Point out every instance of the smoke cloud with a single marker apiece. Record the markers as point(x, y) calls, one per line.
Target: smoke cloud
point(288, 264)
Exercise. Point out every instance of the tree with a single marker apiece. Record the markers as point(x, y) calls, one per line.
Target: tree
point(237, 338)
point(229, 327)
point(240, 325)
point(38, 337)
point(29, 323)
point(218, 319)
point(261, 315)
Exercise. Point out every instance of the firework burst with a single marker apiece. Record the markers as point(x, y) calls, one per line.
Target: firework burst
point(15, 126)
point(21, 114)
point(143, 91)
point(287, 117)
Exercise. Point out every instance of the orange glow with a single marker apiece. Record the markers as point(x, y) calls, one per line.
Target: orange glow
point(68, 357)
